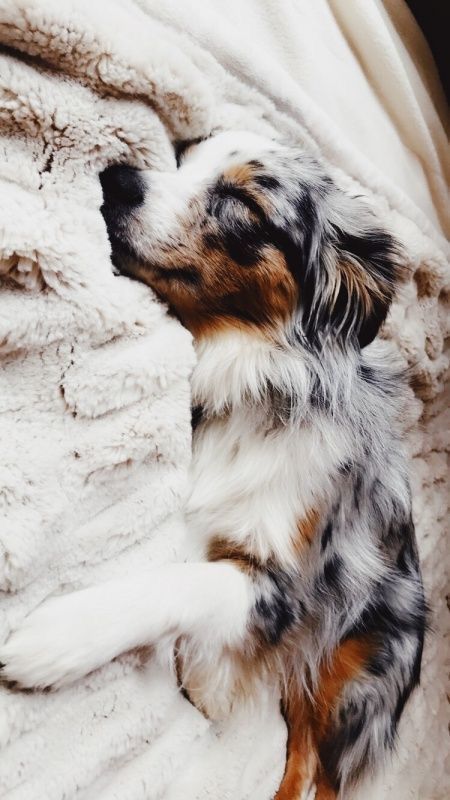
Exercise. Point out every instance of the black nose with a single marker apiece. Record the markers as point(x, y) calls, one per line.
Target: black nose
point(122, 185)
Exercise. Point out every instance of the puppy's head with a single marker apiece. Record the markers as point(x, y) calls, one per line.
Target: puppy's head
point(251, 233)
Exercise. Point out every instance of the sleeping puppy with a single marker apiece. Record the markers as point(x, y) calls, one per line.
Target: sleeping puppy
point(307, 577)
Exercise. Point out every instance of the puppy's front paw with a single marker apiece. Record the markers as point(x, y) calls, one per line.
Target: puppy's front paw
point(57, 644)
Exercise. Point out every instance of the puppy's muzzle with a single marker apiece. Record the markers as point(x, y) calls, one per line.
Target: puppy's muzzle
point(123, 192)
point(122, 186)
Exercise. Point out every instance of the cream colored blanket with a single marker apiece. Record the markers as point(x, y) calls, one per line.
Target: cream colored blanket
point(94, 397)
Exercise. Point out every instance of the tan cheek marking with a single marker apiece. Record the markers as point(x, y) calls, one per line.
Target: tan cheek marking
point(267, 290)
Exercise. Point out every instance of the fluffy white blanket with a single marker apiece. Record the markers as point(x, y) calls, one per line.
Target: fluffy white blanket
point(94, 393)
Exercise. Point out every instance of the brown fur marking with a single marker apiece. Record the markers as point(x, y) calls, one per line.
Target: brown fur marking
point(324, 790)
point(221, 549)
point(359, 283)
point(308, 721)
point(300, 751)
point(346, 663)
point(239, 174)
point(306, 529)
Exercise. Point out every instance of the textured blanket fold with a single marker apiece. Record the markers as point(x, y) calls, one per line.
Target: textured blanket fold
point(94, 385)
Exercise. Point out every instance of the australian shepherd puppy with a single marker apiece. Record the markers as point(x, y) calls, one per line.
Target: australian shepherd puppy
point(307, 576)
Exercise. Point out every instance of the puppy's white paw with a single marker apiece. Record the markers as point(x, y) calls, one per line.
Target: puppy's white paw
point(58, 643)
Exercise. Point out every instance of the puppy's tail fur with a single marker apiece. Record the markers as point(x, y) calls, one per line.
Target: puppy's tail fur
point(343, 729)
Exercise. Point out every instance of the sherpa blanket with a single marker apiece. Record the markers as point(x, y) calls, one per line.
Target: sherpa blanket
point(94, 393)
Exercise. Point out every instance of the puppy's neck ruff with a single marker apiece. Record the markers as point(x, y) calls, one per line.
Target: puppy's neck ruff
point(240, 370)
point(234, 368)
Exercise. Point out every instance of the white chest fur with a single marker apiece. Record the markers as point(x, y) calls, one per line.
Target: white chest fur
point(253, 484)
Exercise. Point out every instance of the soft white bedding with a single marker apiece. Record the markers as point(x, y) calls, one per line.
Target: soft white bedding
point(94, 393)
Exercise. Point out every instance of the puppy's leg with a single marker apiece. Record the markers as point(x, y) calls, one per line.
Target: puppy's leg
point(324, 790)
point(301, 758)
point(69, 636)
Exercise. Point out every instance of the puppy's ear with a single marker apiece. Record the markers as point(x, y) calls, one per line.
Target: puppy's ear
point(350, 281)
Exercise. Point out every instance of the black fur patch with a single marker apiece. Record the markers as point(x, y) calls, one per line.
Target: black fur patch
point(331, 578)
point(381, 662)
point(380, 618)
point(345, 468)
point(327, 536)
point(197, 413)
point(414, 681)
point(241, 236)
point(268, 182)
point(358, 489)
point(342, 736)
point(319, 396)
point(275, 609)
point(243, 244)
point(407, 558)
point(255, 164)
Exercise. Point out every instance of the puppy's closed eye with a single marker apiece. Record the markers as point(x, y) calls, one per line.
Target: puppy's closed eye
point(227, 199)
